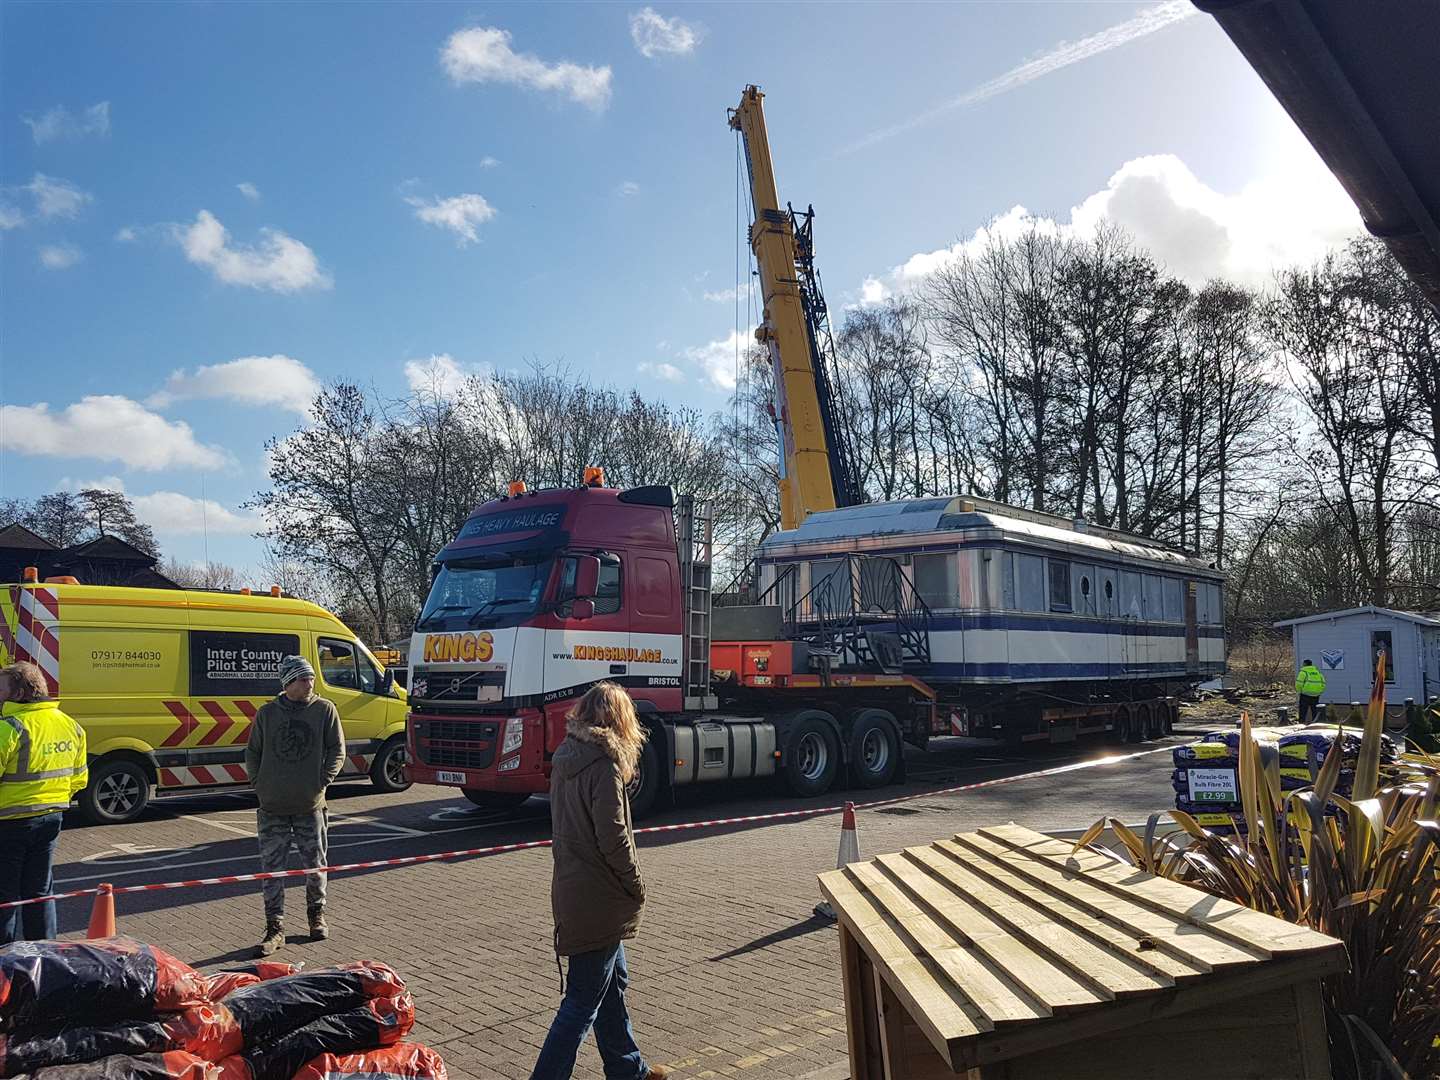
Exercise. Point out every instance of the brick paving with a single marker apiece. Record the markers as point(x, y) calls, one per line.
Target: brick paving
point(732, 975)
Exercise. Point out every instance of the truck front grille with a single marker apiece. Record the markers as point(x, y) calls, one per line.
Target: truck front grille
point(456, 744)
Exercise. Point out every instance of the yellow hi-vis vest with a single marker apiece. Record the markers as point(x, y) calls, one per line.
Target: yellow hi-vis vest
point(1309, 682)
point(42, 759)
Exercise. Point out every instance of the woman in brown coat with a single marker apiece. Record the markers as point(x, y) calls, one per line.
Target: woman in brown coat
point(596, 892)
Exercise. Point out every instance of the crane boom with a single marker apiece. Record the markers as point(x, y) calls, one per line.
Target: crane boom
point(815, 470)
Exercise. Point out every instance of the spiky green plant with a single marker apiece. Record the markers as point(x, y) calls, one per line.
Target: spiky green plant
point(1365, 870)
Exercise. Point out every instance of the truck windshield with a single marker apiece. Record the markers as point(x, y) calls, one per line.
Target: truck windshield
point(477, 591)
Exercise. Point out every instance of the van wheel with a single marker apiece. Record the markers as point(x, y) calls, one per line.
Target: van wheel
point(119, 791)
point(387, 771)
point(812, 755)
point(495, 800)
point(646, 784)
point(874, 749)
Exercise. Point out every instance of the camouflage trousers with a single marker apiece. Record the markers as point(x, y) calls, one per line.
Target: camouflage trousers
point(309, 834)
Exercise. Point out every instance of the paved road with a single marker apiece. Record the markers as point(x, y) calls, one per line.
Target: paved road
point(732, 974)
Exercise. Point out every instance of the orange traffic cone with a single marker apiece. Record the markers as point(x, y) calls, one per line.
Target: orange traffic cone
point(102, 915)
point(849, 852)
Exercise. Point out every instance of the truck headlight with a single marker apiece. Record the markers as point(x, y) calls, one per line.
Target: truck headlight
point(509, 765)
point(514, 735)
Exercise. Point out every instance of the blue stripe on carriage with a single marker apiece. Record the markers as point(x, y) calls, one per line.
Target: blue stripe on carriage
point(1057, 671)
point(1019, 620)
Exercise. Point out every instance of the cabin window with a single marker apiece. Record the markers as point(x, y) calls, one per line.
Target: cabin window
point(1083, 600)
point(1383, 641)
point(1174, 604)
point(935, 580)
point(829, 587)
point(1059, 585)
point(1030, 582)
point(1007, 581)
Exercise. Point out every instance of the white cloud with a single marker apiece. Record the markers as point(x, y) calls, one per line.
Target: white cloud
point(60, 123)
point(279, 262)
point(251, 380)
point(724, 296)
point(106, 427)
point(441, 375)
point(1195, 232)
point(483, 54)
point(60, 256)
point(654, 35)
point(174, 513)
point(459, 213)
point(628, 188)
point(11, 217)
point(489, 162)
point(55, 198)
point(662, 370)
point(1146, 22)
point(127, 235)
point(249, 190)
point(716, 359)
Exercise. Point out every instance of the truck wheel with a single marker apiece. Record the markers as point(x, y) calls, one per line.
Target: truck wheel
point(495, 800)
point(1120, 724)
point(1144, 724)
point(119, 791)
point(812, 756)
point(387, 771)
point(646, 784)
point(874, 750)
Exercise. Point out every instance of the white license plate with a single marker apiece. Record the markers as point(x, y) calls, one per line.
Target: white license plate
point(450, 778)
point(1212, 785)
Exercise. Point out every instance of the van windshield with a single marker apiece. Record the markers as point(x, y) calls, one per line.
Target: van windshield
point(485, 591)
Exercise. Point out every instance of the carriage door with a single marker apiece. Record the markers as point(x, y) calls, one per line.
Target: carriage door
point(1107, 603)
point(1192, 632)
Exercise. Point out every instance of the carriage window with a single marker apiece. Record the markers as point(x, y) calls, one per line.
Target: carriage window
point(1059, 585)
point(1083, 578)
point(935, 580)
point(830, 586)
point(1154, 605)
point(879, 584)
point(1007, 581)
point(1174, 605)
point(1132, 595)
point(1030, 582)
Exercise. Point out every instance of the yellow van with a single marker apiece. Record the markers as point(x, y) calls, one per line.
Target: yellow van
point(166, 683)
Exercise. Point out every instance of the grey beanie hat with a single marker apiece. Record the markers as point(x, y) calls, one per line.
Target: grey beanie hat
point(294, 667)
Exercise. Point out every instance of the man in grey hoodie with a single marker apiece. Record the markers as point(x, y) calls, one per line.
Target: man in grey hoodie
point(296, 750)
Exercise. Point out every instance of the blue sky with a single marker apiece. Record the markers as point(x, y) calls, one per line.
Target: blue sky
point(210, 208)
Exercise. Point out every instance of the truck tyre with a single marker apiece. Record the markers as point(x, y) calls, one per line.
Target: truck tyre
point(1144, 722)
point(495, 800)
point(387, 771)
point(812, 754)
point(119, 791)
point(874, 749)
point(1120, 724)
point(646, 784)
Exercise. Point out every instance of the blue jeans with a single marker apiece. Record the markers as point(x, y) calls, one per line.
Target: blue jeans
point(594, 994)
point(27, 849)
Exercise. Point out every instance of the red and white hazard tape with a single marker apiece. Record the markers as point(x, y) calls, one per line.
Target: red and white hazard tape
point(501, 849)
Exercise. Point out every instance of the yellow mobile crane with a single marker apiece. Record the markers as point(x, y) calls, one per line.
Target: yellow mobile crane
point(816, 467)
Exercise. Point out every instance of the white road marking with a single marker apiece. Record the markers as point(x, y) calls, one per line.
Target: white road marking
point(205, 820)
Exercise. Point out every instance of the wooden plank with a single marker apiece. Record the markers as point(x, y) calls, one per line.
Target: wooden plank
point(892, 1029)
point(1048, 984)
point(1177, 937)
point(926, 998)
point(1314, 1043)
point(993, 995)
point(1092, 951)
point(856, 1021)
point(1253, 929)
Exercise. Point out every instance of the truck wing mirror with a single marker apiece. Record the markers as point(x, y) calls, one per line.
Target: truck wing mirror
point(582, 609)
point(587, 577)
point(387, 683)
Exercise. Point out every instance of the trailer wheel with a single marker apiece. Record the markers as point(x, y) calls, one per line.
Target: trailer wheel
point(1143, 725)
point(646, 784)
point(495, 800)
point(1120, 730)
point(119, 791)
point(874, 749)
point(812, 754)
